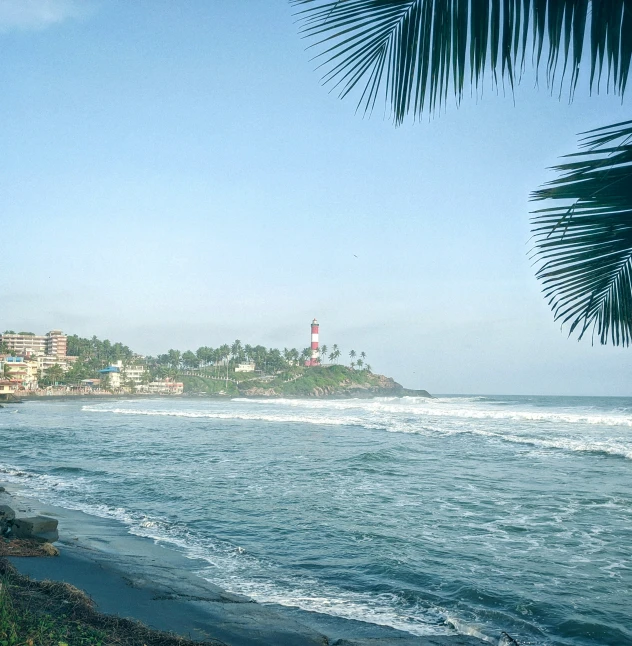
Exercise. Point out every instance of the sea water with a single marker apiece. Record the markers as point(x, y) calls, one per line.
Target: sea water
point(468, 514)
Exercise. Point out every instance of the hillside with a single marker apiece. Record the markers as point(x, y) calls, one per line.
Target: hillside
point(321, 381)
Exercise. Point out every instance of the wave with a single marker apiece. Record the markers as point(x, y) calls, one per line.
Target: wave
point(381, 405)
point(449, 407)
point(232, 568)
point(380, 415)
point(568, 444)
point(252, 417)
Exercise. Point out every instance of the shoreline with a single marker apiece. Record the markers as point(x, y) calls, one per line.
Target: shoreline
point(137, 577)
point(69, 397)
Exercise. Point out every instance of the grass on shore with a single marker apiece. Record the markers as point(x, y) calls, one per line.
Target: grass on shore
point(47, 613)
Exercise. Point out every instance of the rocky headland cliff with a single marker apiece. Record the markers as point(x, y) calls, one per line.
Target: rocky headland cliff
point(319, 382)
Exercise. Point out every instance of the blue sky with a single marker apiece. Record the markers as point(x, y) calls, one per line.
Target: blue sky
point(174, 175)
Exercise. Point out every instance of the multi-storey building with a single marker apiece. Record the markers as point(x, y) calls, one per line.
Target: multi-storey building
point(53, 343)
point(56, 343)
point(120, 376)
point(45, 361)
point(21, 371)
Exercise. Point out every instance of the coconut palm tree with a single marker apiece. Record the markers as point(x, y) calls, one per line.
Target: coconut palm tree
point(323, 351)
point(306, 354)
point(414, 53)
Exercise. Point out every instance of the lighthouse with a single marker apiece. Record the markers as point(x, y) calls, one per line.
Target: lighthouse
point(314, 360)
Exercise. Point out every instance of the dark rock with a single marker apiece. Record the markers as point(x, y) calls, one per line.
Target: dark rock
point(2, 489)
point(39, 528)
point(6, 518)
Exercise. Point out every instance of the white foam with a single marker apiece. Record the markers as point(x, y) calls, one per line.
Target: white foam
point(236, 571)
point(416, 415)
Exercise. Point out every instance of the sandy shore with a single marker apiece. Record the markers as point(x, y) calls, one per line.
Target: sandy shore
point(134, 577)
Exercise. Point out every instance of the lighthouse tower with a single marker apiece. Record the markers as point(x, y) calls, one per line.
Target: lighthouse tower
point(315, 352)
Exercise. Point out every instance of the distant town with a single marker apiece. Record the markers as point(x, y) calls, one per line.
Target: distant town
point(58, 364)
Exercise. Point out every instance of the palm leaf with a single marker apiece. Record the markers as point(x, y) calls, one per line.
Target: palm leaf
point(415, 52)
point(584, 243)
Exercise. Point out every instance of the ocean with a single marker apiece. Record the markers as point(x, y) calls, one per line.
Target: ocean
point(434, 516)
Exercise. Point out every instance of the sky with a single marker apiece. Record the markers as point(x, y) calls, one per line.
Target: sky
point(175, 175)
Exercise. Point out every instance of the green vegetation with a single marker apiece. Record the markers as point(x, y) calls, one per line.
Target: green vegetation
point(22, 624)
point(412, 54)
point(213, 371)
point(315, 381)
point(207, 386)
point(47, 613)
point(329, 379)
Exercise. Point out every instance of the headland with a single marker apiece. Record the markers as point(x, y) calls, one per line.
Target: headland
point(56, 364)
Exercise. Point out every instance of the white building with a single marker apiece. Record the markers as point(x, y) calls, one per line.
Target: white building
point(120, 376)
point(249, 366)
point(46, 361)
point(163, 387)
point(52, 343)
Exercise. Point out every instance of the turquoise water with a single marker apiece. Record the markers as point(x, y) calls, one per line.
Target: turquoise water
point(469, 514)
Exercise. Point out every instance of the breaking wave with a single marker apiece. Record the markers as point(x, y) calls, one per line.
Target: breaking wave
point(419, 416)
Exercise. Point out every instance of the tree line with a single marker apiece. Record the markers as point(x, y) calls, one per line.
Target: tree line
point(94, 354)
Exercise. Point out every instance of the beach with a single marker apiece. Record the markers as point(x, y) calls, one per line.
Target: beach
point(132, 577)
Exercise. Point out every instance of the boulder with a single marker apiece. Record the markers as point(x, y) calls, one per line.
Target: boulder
point(39, 528)
point(6, 518)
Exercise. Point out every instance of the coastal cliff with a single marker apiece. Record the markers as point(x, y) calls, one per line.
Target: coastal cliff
point(318, 382)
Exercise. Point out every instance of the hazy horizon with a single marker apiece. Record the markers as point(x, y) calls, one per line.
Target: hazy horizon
point(175, 177)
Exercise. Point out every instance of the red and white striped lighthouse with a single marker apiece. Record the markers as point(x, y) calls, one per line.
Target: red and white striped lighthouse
point(315, 352)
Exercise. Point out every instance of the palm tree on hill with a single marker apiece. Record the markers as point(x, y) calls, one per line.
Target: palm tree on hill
point(306, 354)
point(352, 356)
point(236, 350)
point(414, 53)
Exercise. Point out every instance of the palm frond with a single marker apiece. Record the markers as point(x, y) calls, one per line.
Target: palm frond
point(416, 51)
point(584, 243)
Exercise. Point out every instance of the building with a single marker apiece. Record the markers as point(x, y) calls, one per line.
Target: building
point(314, 360)
point(248, 366)
point(53, 343)
point(7, 388)
point(45, 361)
point(56, 343)
point(163, 387)
point(22, 372)
point(111, 376)
point(134, 374)
point(120, 376)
